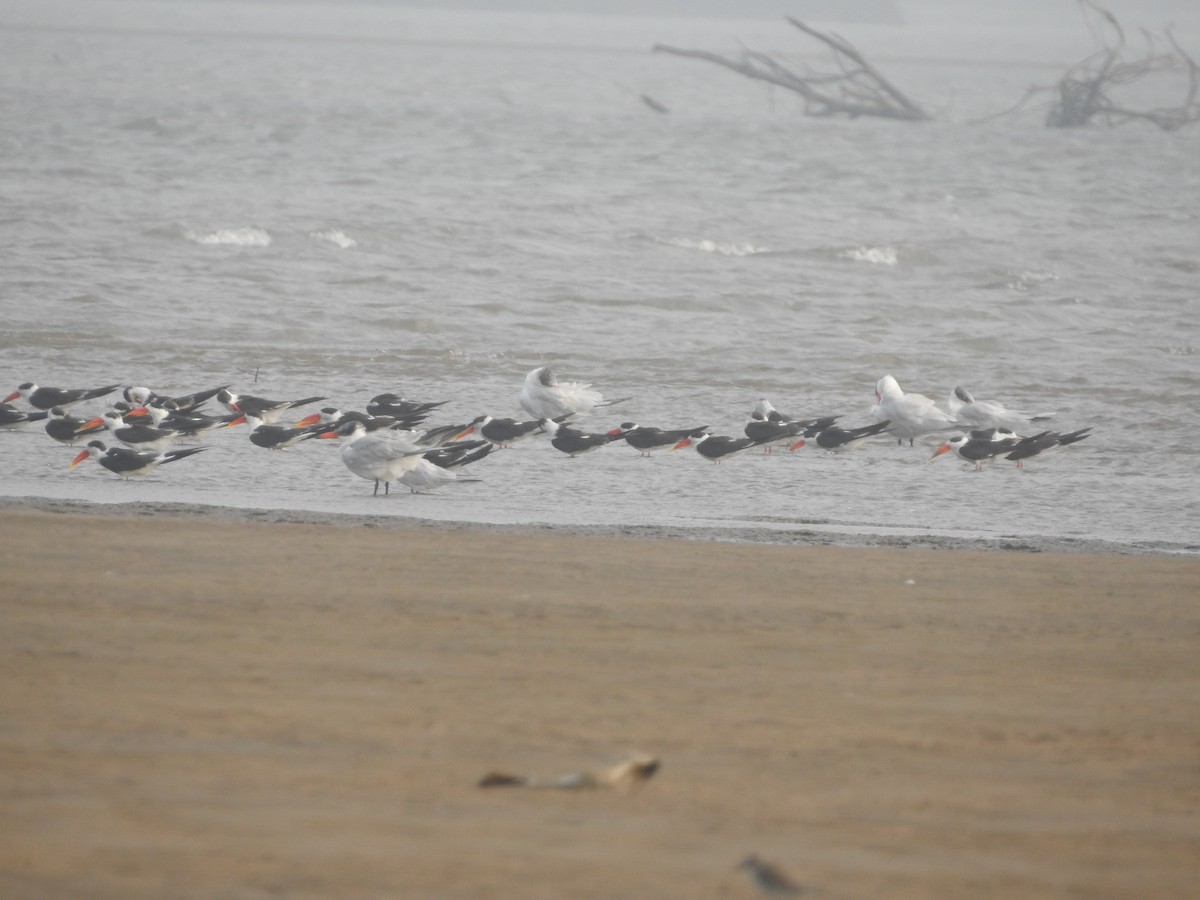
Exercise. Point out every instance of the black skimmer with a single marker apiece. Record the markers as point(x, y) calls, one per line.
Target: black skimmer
point(409, 413)
point(267, 411)
point(773, 429)
point(144, 396)
point(841, 440)
point(333, 417)
point(573, 442)
point(12, 418)
point(648, 438)
point(187, 422)
point(1029, 447)
point(506, 432)
point(379, 456)
point(47, 397)
point(128, 463)
point(545, 397)
point(977, 447)
point(134, 434)
point(973, 414)
point(279, 437)
point(445, 434)
point(716, 447)
point(67, 429)
point(911, 415)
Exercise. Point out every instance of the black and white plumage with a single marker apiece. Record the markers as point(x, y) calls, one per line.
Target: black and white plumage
point(716, 447)
point(574, 442)
point(188, 422)
point(505, 432)
point(841, 440)
point(977, 448)
point(129, 463)
point(67, 429)
point(771, 429)
point(1037, 444)
point(12, 418)
point(647, 438)
point(543, 396)
point(278, 437)
point(137, 435)
point(407, 413)
point(138, 395)
point(268, 411)
point(49, 397)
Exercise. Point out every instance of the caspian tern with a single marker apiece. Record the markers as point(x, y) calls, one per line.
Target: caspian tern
point(128, 463)
point(911, 415)
point(47, 397)
point(976, 414)
point(647, 438)
point(379, 456)
point(545, 397)
point(268, 411)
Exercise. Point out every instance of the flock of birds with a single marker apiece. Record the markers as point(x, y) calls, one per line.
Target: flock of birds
point(388, 442)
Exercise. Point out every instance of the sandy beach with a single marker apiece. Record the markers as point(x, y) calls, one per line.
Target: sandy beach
point(196, 709)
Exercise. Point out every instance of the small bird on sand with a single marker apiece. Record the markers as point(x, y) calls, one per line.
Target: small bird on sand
point(768, 878)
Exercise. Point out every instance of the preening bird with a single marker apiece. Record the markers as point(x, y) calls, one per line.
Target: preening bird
point(545, 397)
point(911, 415)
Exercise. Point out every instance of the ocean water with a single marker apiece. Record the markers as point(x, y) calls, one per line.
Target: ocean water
point(346, 199)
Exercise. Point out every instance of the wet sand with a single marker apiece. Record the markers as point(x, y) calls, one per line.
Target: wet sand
point(194, 709)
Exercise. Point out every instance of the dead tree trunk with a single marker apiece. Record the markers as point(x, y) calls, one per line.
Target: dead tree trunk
point(856, 89)
point(1085, 94)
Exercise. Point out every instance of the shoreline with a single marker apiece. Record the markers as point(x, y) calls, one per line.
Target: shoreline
point(197, 707)
point(810, 535)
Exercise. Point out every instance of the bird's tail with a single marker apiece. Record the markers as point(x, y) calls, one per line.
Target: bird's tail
point(612, 402)
point(172, 455)
point(305, 401)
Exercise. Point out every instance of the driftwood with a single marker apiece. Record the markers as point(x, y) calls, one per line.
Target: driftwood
point(625, 775)
point(1085, 94)
point(856, 89)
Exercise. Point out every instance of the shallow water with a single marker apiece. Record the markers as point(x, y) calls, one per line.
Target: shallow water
point(347, 199)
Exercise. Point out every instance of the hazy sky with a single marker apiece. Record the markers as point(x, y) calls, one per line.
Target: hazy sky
point(1150, 13)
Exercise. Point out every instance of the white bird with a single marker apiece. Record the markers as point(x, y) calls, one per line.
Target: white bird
point(545, 397)
point(379, 456)
point(978, 414)
point(912, 415)
point(428, 476)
